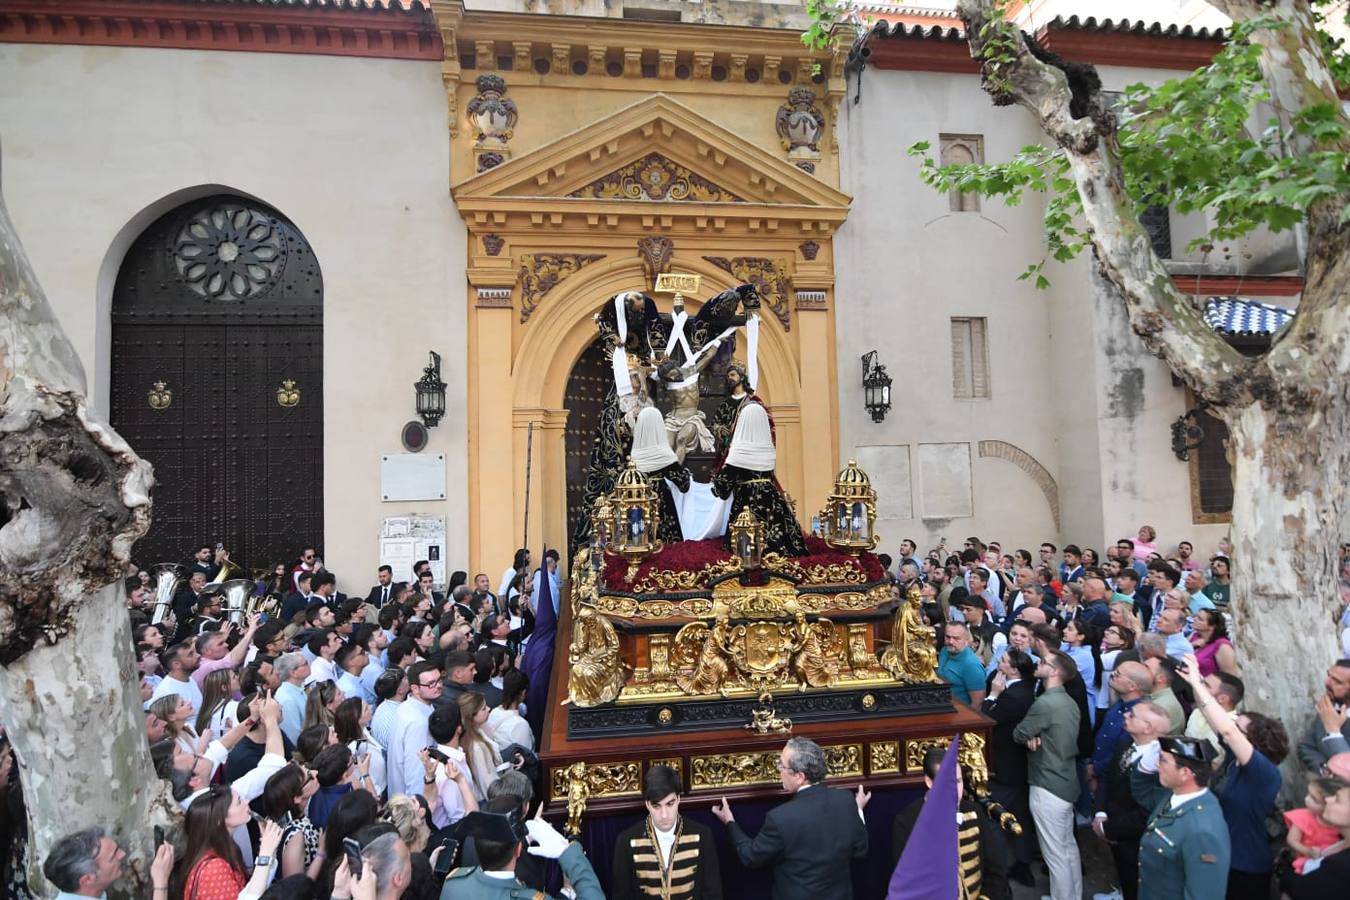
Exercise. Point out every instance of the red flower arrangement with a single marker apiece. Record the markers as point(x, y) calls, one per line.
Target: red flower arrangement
point(693, 556)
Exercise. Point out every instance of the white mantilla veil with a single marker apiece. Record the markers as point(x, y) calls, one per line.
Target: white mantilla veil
point(651, 446)
point(752, 442)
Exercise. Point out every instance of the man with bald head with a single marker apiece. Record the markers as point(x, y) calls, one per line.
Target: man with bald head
point(1120, 814)
point(1033, 615)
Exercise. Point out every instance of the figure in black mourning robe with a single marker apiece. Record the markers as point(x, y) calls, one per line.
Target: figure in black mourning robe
point(655, 460)
point(748, 479)
point(665, 855)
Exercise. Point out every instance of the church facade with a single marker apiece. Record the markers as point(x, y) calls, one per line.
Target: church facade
point(257, 219)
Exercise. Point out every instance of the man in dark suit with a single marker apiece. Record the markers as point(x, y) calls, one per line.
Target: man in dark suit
point(1011, 693)
point(208, 561)
point(810, 840)
point(383, 592)
point(1120, 817)
point(185, 603)
point(296, 601)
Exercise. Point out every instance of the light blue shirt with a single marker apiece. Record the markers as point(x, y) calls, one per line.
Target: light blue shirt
point(291, 699)
point(382, 723)
point(409, 736)
point(553, 586)
point(351, 686)
point(1178, 646)
point(369, 675)
point(1199, 601)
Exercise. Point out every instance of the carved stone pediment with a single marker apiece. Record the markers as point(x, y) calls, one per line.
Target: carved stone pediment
point(658, 150)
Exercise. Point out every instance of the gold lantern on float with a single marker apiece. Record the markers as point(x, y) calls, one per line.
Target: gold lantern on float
point(850, 514)
point(636, 517)
point(747, 539)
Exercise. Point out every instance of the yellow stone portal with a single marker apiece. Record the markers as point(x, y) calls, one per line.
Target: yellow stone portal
point(554, 231)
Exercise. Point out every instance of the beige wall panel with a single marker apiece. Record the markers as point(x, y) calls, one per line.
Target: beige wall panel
point(352, 150)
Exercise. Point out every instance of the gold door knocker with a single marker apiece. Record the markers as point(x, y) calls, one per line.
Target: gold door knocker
point(160, 395)
point(288, 395)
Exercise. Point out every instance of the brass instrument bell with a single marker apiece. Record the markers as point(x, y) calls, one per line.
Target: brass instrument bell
point(168, 576)
point(236, 593)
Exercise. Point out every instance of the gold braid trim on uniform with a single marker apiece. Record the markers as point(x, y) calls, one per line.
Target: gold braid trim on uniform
point(666, 865)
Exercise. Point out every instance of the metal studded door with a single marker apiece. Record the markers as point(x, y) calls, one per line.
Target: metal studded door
point(584, 398)
point(217, 380)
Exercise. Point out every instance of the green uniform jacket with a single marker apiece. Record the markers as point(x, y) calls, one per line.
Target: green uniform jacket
point(472, 884)
point(1053, 718)
point(1184, 853)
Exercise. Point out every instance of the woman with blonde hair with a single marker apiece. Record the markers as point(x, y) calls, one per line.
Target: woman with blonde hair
point(409, 816)
point(220, 696)
point(481, 753)
point(321, 702)
point(175, 712)
point(1123, 615)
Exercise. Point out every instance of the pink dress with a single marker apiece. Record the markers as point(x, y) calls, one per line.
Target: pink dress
point(1207, 656)
point(1315, 834)
point(1142, 550)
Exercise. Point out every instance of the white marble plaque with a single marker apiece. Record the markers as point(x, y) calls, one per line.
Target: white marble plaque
point(412, 476)
point(888, 466)
point(944, 481)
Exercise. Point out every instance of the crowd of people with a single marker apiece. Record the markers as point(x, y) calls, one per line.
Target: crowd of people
point(1118, 702)
point(364, 747)
point(331, 748)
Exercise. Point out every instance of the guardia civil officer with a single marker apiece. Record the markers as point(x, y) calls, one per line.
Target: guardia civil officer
point(499, 836)
point(1184, 852)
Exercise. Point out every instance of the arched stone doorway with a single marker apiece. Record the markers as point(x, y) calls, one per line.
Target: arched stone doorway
point(217, 379)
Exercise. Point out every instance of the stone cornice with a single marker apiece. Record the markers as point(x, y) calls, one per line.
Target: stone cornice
point(391, 33)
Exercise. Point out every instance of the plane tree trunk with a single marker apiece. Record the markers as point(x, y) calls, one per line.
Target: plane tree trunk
point(74, 497)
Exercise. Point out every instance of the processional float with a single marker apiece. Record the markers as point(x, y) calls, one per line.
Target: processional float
point(703, 654)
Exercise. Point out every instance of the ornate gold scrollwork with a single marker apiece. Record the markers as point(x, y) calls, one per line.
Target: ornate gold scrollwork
point(763, 720)
point(160, 396)
point(885, 757)
point(733, 769)
point(916, 748)
point(724, 770)
point(843, 760)
point(911, 658)
point(759, 655)
point(288, 395)
point(540, 273)
point(619, 779)
point(578, 782)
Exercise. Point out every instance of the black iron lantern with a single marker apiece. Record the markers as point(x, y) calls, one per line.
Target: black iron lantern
point(431, 393)
point(876, 387)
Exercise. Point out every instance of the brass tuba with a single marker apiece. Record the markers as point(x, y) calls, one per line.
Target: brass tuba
point(167, 578)
point(235, 593)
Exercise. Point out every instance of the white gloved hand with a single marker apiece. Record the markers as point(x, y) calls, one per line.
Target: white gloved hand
point(546, 840)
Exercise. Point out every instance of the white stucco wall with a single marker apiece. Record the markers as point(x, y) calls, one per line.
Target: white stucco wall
point(1071, 384)
point(905, 265)
point(99, 141)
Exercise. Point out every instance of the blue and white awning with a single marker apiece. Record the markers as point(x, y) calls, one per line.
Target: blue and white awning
point(1235, 316)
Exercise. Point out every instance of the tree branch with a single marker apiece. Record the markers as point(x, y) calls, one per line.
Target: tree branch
point(1295, 70)
point(1168, 322)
